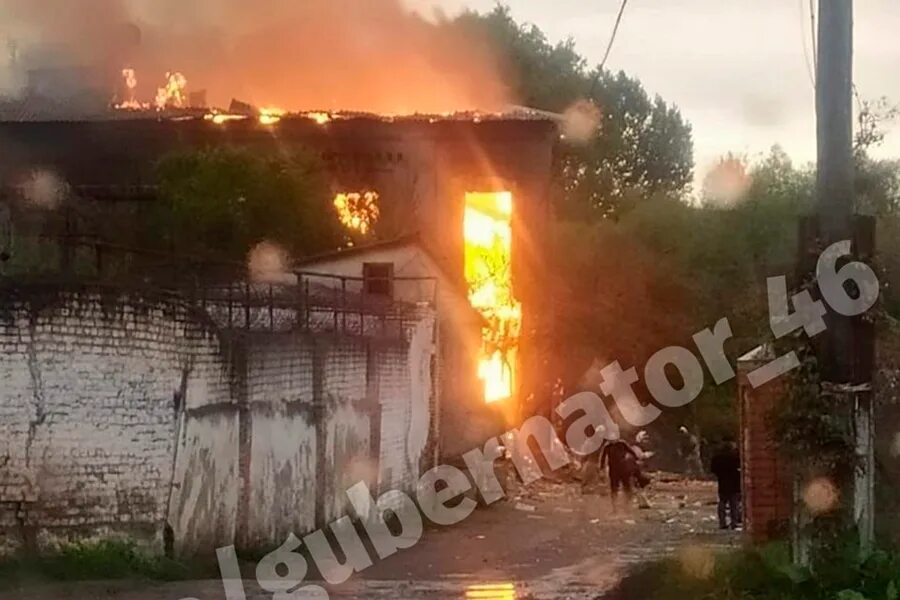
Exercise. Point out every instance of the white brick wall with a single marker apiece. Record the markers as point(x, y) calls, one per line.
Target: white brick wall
point(88, 413)
point(120, 415)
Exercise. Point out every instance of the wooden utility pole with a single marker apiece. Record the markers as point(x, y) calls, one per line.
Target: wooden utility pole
point(848, 344)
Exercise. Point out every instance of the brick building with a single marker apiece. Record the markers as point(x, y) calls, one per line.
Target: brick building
point(425, 171)
point(178, 420)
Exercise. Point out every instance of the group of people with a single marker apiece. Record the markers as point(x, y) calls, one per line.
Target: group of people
point(625, 464)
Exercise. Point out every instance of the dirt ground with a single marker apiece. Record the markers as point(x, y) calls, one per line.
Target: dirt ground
point(546, 541)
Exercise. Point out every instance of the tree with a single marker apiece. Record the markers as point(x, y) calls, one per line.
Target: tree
point(877, 181)
point(220, 202)
point(643, 146)
point(666, 270)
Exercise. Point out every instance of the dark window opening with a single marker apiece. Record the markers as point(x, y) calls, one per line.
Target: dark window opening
point(378, 279)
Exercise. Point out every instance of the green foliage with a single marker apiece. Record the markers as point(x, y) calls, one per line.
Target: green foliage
point(667, 269)
point(104, 560)
point(805, 426)
point(542, 75)
point(767, 573)
point(888, 236)
point(877, 186)
point(644, 146)
point(877, 181)
point(221, 202)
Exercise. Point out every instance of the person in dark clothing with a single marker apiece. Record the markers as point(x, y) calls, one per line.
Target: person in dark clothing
point(726, 466)
point(622, 461)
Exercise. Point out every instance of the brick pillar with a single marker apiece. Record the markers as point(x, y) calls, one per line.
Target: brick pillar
point(767, 487)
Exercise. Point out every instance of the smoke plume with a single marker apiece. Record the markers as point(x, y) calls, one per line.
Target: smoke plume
point(372, 55)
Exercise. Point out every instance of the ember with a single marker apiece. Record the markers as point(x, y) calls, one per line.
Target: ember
point(488, 270)
point(358, 211)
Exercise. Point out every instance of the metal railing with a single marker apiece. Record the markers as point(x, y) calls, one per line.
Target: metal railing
point(230, 296)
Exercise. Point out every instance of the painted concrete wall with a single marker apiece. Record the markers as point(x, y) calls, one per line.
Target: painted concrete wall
point(130, 416)
point(465, 421)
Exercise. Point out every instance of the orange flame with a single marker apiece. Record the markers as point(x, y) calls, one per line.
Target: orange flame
point(488, 271)
point(270, 116)
point(173, 93)
point(358, 211)
point(129, 77)
point(321, 118)
point(221, 118)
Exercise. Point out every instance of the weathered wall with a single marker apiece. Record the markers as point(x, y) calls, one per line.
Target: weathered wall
point(282, 454)
point(465, 421)
point(405, 428)
point(89, 405)
point(767, 489)
point(125, 415)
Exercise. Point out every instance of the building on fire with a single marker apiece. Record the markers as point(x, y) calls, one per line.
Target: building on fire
point(471, 190)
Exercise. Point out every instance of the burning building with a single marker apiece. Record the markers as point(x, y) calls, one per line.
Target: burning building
point(473, 190)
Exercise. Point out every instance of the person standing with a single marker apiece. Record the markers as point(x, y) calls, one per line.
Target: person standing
point(621, 461)
point(726, 466)
point(641, 447)
point(689, 449)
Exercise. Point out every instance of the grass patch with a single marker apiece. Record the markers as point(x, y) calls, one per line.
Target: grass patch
point(762, 574)
point(104, 560)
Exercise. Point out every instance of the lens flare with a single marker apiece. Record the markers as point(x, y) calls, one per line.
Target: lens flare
point(821, 496)
point(491, 591)
point(697, 561)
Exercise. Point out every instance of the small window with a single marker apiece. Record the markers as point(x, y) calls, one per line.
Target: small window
point(378, 279)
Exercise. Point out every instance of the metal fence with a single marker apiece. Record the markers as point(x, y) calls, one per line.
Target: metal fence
point(316, 302)
point(227, 293)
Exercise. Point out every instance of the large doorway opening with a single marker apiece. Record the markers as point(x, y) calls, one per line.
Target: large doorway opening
point(488, 271)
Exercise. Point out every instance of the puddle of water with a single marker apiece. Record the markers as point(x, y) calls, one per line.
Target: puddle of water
point(491, 591)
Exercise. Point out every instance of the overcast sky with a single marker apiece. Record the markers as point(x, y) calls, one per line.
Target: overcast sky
point(736, 68)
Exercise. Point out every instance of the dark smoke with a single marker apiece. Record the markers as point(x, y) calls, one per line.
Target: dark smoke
point(372, 55)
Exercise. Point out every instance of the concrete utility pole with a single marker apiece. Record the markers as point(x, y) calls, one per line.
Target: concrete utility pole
point(834, 119)
point(846, 351)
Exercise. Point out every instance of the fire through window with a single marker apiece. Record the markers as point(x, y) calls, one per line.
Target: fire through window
point(488, 270)
point(358, 211)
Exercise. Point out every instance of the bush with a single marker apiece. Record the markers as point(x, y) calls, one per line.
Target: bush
point(104, 560)
point(766, 573)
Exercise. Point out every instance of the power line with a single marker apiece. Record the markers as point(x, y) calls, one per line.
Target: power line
point(615, 30)
point(812, 20)
point(609, 46)
point(809, 67)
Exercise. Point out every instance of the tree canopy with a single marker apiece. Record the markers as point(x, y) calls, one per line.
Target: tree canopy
point(643, 146)
point(220, 202)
